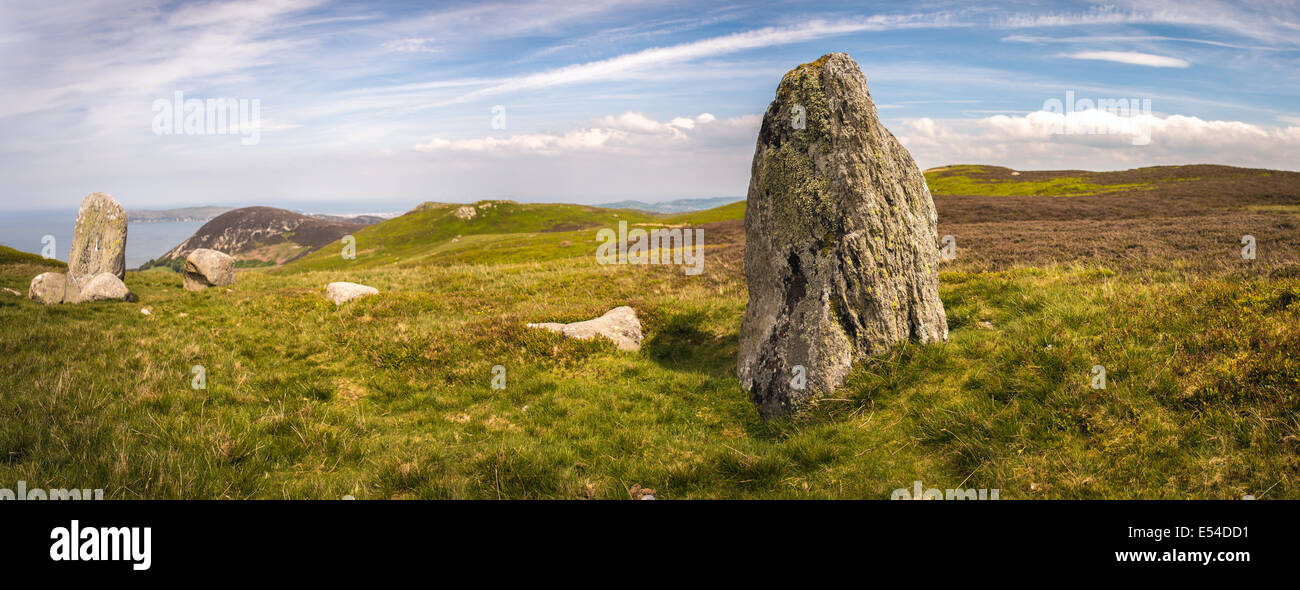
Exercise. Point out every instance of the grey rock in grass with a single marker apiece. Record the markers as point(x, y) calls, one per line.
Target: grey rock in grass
point(208, 268)
point(342, 292)
point(98, 239)
point(52, 288)
point(841, 255)
point(620, 325)
point(105, 286)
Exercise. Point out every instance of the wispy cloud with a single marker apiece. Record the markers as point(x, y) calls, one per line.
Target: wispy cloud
point(623, 132)
point(1094, 39)
point(1035, 140)
point(413, 45)
point(1131, 58)
point(622, 66)
point(1270, 22)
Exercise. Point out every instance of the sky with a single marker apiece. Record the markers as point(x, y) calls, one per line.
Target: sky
point(374, 107)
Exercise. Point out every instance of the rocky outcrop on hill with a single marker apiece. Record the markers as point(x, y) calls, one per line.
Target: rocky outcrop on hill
point(208, 268)
point(841, 254)
point(262, 233)
point(620, 325)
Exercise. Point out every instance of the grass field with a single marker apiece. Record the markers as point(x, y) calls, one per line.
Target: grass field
point(390, 396)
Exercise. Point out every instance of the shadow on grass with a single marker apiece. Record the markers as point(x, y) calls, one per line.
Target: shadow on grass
point(680, 345)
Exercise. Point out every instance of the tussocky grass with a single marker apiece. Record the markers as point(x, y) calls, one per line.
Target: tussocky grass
point(390, 396)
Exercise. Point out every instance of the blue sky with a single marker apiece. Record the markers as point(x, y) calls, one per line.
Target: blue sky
point(377, 106)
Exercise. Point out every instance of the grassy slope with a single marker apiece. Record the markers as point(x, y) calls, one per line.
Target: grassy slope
point(390, 397)
point(505, 232)
point(18, 257)
point(986, 180)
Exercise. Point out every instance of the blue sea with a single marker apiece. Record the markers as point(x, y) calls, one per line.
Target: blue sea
point(25, 230)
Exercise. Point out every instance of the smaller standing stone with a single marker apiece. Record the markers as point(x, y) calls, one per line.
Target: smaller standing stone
point(52, 288)
point(619, 325)
point(104, 287)
point(208, 268)
point(342, 292)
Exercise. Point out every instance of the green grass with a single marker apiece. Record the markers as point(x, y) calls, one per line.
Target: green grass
point(1274, 208)
point(15, 257)
point(973, 180)
point(723, 213)
point(504, 232)
point(390, 397)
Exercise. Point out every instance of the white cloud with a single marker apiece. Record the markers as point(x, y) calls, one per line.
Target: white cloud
point(626, 65)
point(541, 143)
point(629, 131)
point(412, 45)
point(1096, 139)
point(1268, 22)
point(1131, 57)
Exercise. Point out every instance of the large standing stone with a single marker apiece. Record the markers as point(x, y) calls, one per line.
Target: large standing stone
point(52, 288)
point(208, 268)
point(841, 257)
point(98, 240)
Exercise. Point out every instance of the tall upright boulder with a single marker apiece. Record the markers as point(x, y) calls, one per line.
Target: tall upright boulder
point(841, 255)
point(98, 240)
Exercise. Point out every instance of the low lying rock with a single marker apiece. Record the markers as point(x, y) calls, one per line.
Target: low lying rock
point(343, 292)
point(620, 325)
point(52, 288)
point(208, 268)
point(105, 286)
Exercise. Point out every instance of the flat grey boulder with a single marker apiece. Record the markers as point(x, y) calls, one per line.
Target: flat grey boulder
point(342, 292)
point(98, 239)
point(841, 255)
point(105, 286)
point(619, 325)
point(208, 268)
point(52, 288)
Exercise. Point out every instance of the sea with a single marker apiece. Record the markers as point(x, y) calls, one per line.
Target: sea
point(26, 231)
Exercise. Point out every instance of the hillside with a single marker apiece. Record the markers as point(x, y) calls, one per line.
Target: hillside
point(259, 236)
point(978, 180)
point(674, 206)
point(495, 231)
point(390, 396)
point(11, 256)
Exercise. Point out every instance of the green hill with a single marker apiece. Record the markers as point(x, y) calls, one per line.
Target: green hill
point(968, 179)
point(11, 256)
point(495, 232)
